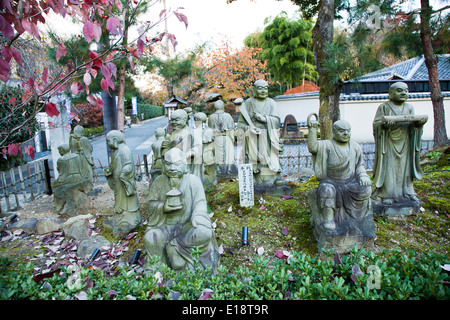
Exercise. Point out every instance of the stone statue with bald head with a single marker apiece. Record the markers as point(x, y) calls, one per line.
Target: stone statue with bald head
point(121, 177)
point(341, 208)
point(178, 218)
point(398, 138)
point(223, 125)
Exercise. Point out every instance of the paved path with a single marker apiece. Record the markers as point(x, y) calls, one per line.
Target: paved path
point(138, 138)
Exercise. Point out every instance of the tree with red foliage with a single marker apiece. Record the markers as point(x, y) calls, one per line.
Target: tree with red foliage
point(101, 19)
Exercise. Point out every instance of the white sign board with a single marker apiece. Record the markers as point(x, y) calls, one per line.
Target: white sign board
point(246, 190)
point(134, 105)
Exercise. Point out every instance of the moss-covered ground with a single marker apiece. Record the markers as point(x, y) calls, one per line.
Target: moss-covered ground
point(277, 223)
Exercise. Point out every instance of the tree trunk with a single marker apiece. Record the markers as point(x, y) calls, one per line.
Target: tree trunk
point(121, 90)
point(440, 132)
point(322, 34)
point(121, 99)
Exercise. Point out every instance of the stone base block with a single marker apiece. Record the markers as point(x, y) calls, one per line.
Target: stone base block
point(348, 232)
point(396, 211)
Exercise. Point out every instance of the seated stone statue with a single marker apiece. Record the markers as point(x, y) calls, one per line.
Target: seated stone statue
point(178, 218)
point(341, 208)
point(70, 188)
point(121, 177)
point(80, 145)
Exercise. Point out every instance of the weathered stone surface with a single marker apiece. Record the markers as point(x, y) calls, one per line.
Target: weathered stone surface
point(178, 218)
point(77, 227)
point(341, 209)
point(28, 225)
point(397, 133)
point(49, 224)
point(121, 177)
point(290, 128)
point(88, 245)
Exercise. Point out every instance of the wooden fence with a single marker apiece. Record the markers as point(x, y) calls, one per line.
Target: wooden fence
point(24, 183)
point(27, 182)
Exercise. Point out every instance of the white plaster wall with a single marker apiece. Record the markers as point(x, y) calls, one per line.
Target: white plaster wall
point(300, 108)
point(360, 114)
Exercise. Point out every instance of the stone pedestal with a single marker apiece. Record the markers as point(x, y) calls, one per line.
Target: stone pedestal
point(267, 182)
point(70, 199)
point(396, 211)
point(348, 232)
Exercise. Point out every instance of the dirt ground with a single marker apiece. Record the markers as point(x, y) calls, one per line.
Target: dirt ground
point(101, 203)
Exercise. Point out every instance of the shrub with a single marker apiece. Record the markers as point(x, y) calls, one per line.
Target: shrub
point(146, 111)
point(401, 275)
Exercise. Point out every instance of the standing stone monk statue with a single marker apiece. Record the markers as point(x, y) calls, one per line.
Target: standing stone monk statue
point(260, 121)
point(80, 145)
point(178, 218)
point(121, 177)
point(397, 132)
point(223, 125)
point(341, 210)
point(182, 138)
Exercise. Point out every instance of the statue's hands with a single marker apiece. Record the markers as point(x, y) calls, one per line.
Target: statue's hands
point(260, 117)
point(365, 181)
point(254, 130)
point(170, 209)
point(313, 124)
point(165, 144)
point(107, 171)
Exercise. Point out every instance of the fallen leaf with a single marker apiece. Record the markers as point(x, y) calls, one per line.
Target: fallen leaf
point(230, 209)
point(81, 295)
point(285, 231)
point(280, 254)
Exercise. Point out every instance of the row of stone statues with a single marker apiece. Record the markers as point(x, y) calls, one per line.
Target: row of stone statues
point(344, 203)
point(185, 161)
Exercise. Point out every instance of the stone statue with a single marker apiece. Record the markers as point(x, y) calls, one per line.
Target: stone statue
point(397, 132)
point(157, 162)
point(341, 207)
point(260, 121)
point(208, 167)
point(190, 117)
point(223, 125)
point(70, 188)
point(182, 138)
point(178, 218)
point(121, 177)
point(80, 145)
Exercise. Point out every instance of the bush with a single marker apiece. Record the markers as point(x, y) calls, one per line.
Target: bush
point(146, 111)
point(401, 275)
point(90, 116)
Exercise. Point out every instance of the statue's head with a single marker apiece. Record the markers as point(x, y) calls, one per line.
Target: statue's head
point(178, 119)
point(238, 101)
point(219, 105)
point(175, 163)
point(188, 110)
point(200, 117)
point(261, 89)
point(342, 131)
point(78, 131)
point(63, 149)
point(398, 92)
point(114, 138)
point(160, 132)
